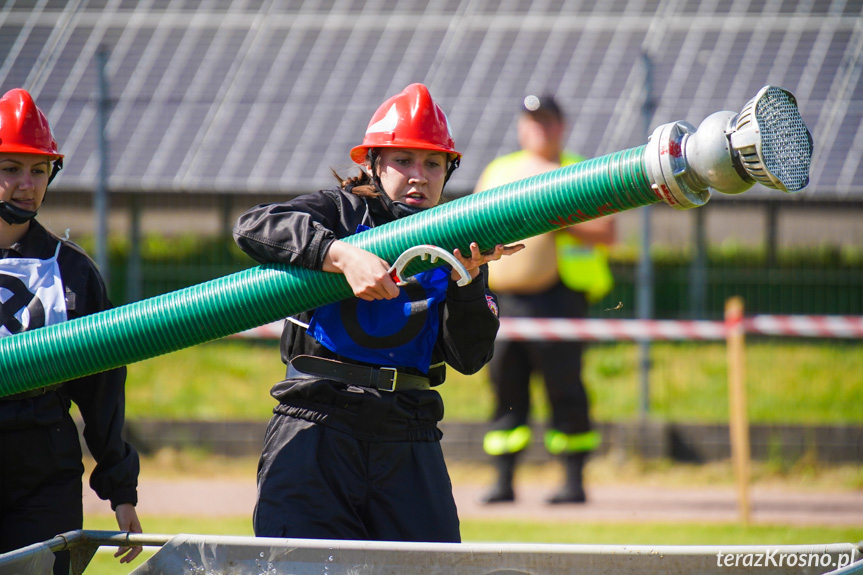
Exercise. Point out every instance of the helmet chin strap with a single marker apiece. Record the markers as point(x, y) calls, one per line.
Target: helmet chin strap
point(14, 215)
point(55, 169)
point(395, 208)
point(453, 164)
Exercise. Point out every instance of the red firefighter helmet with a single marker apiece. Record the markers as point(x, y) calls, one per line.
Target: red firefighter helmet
point(408, 120)
point(24, 128)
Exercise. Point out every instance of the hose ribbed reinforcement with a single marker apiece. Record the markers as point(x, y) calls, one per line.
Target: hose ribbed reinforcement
point(266, 293)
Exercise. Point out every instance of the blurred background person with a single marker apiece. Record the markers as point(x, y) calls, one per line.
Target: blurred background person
point(557, 275)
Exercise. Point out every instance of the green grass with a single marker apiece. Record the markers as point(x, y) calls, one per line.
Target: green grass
point(225, 379)
point(516, 531)
point(788, 382)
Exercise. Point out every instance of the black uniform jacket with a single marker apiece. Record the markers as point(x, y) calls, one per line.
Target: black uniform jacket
point(299, 232)
point(99, 397)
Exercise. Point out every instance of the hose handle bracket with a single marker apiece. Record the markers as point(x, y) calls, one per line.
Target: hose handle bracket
point(426, 251)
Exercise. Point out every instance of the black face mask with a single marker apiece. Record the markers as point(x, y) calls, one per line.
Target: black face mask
point(14, 215)
point(398, 209)
point(401, 209)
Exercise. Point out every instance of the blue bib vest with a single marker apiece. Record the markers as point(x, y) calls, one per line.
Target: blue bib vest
point(400, 332)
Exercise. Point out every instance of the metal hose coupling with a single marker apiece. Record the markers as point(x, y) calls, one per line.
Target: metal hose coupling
point(766, 143)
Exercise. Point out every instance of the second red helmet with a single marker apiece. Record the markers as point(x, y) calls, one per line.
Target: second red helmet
point(24, 128)
point(410, 119)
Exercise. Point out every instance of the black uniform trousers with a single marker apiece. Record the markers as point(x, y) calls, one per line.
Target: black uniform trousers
point(559, 362)
point(40, 486)
point(316, 482)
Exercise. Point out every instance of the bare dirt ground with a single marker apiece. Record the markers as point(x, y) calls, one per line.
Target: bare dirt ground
point(210, 493)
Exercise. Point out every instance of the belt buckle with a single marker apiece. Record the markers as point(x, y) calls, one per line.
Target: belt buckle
point(393, 381)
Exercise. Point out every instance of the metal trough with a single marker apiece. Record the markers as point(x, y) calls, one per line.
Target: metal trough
point(228, 555)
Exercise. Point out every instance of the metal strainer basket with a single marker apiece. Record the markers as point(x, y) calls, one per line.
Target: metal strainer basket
point(774, 144)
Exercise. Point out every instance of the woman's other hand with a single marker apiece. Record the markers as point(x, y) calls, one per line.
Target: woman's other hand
point(477, 258)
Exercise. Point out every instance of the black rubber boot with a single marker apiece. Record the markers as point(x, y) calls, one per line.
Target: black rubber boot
point(572, 490)
point(502, 491)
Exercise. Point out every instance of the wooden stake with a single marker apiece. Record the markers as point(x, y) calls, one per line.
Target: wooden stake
point(738, 421)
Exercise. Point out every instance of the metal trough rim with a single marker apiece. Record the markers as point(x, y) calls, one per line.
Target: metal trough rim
point(83, 544)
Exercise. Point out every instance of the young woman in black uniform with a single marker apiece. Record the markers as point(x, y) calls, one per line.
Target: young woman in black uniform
point(345, 455)
point(46, 280)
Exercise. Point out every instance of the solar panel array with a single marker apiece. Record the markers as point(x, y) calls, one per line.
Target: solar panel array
point(267, 95)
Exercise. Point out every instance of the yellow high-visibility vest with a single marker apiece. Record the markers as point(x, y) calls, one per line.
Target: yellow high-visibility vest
point(583, 268)
point(580, 267)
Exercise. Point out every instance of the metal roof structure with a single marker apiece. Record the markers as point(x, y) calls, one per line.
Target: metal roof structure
point(268, 95)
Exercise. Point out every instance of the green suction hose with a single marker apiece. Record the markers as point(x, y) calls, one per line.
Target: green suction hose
point(677, 166)
point(266, 293)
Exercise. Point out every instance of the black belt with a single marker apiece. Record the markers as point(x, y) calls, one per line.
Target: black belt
point(30, 393)
point(384, 378)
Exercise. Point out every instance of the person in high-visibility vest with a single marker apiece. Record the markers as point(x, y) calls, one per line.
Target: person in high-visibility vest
point(557, 275)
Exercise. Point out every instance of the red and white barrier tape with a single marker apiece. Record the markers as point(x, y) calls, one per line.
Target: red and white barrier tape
point(850, 327)
point(607, 329)
point(269, 331)
point(839, 326)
